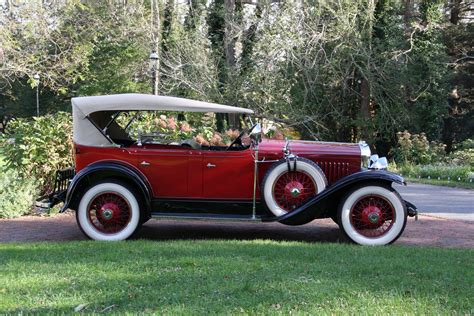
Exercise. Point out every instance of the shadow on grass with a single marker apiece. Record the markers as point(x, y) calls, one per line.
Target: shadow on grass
point(176, 230)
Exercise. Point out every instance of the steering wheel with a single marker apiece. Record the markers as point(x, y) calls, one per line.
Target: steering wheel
point(238, 140)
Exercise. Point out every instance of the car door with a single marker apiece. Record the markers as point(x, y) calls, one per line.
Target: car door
point(227, 175)
point(166, 168)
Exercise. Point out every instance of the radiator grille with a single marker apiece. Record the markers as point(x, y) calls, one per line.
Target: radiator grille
point(334, 170)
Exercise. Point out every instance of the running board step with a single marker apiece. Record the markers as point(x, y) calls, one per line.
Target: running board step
point(211, 217)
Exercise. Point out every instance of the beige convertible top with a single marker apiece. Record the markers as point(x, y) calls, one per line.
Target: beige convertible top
point(85, 133)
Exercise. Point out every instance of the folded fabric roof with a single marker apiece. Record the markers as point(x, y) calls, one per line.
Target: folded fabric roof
point(85, 133)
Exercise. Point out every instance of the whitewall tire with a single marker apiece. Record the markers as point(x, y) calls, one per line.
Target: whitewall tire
point(372, 215)
point(285, 190)
point(108, 211)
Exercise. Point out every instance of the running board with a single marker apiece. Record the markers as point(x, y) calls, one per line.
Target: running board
point(210, 217)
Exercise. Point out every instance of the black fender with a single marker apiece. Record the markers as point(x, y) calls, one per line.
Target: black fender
point(102, 170)
point(329, 198)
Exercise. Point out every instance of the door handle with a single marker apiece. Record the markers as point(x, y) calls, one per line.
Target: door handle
point(210, 165)
point(144, 163)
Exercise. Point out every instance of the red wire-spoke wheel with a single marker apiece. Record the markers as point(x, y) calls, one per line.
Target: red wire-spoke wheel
point(372, 215)
point(108, 211)
point(292, 189)
point(287, 186)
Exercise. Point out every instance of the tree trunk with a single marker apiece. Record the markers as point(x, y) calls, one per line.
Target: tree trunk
point(364, 99)
point(364, 83)
point(365, 107)
point(455, 11)
point(229, 37)
point(168, 21)
point(156, 39)
point(408, 14)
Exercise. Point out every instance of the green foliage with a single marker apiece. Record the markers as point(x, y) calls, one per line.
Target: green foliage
point(464, 154)
point(442, 171)
point(37, 148)
point(443, 182)
point(333, 70)
point(17, 194)
point(416, 149)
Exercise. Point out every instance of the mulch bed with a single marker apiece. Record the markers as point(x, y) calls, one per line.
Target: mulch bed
point(427, 231)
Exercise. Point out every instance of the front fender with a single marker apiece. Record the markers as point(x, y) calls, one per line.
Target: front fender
point(329, 198)
point(102, 170)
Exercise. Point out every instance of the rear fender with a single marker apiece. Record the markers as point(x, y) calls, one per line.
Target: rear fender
point(318, 206)
point(103, 170)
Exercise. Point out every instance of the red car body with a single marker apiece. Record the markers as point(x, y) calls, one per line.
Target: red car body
point(182, 173)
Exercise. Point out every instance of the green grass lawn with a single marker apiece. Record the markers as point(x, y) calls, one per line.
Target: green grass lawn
point(197, 277)
point(453, 184)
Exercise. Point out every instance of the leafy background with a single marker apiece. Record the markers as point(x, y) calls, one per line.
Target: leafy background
point(396, 73)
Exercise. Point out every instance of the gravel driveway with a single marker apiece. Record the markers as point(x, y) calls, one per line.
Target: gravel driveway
point(427, 231)
point(446, 220)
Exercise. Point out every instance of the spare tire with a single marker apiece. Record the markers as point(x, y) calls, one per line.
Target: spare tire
point(286, 186)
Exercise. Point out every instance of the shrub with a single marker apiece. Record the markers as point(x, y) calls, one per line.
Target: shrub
point(443, 171)
point(37, 148)
point(16, 194)
point(464, 153)
point(415, 148)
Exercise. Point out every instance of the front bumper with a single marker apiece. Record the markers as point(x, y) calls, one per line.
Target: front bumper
point(412, 211)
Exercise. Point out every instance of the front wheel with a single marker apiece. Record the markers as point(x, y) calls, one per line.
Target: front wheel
point(108, 211)
point(372, 215)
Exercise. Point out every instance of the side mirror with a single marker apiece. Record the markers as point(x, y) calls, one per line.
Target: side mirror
point(256, 134)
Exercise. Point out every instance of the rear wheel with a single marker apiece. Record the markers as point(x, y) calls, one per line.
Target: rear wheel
point(108, 211)
point(372, 215)
point(285, 188)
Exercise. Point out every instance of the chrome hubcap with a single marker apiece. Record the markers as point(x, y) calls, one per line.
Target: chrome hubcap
point(295, 192)
point(374, 217)
point(107, 214)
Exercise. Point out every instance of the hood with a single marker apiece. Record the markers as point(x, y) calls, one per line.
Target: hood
point(313, 148)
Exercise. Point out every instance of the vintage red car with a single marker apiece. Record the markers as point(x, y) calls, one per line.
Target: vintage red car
point(118, 182)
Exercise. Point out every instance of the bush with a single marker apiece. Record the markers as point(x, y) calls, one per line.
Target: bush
point(416, 149)
point(464, 153)
point(16, 194)
point(443, 171)
point(37, 148)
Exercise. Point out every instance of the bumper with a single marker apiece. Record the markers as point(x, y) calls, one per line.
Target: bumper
point(412, 211)
point(58, 195)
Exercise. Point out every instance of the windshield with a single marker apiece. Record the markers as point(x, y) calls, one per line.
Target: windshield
point(126, 128)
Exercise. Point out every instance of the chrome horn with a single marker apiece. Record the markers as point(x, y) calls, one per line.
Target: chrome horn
point(377, 162)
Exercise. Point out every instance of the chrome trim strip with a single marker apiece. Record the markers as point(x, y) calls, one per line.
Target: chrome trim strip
point(206, 218)
point(255, 176)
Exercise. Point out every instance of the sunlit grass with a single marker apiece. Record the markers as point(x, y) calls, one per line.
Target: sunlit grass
point(446, 183)
point(189, 277)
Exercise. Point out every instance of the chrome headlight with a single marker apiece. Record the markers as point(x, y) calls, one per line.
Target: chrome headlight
point(364, 154)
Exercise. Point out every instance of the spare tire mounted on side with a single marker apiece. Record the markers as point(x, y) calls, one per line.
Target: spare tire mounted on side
point(289, 183)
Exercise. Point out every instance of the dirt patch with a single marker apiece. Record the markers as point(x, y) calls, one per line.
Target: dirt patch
point(427, 231)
